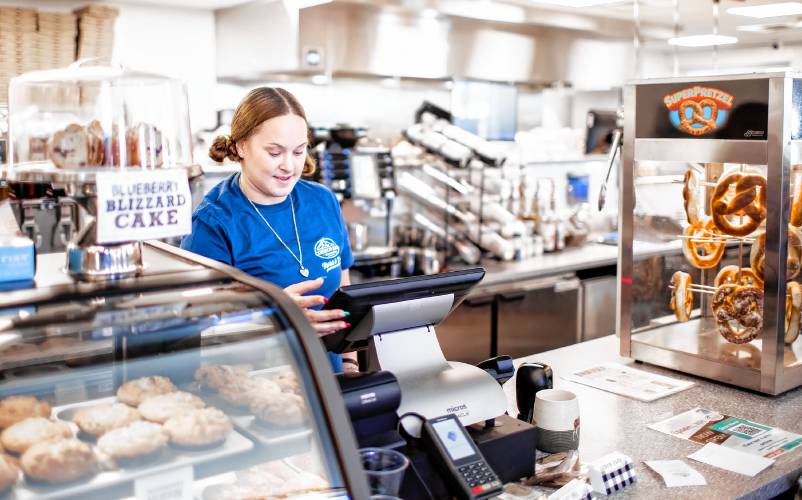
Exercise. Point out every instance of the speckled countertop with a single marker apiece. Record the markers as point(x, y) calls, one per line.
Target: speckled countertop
point(610, 422)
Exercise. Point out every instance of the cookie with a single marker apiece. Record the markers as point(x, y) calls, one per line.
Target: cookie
point(21, 350)
point(202, 427)
point(22, 435)
point(134, 440)
point(9, 472)
point(69, 148)
point(215, 377)
point(283, 409)
point(242, 391)
point(16, 408)
point(100, 419)
point(135, 391)
point(58, 461)
point(288, 382)
point(59, 343)
point(162, 407)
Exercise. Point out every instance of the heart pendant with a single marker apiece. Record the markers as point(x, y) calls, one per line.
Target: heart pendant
point(304, 272)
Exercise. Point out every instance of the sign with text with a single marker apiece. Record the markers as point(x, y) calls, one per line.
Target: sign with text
point(143, 205)
point(175, 484)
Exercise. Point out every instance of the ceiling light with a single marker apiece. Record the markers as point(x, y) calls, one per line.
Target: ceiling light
point(303, 4)
point(768, 10)
point(770, 27)
point(576, 3)
point(702, 40)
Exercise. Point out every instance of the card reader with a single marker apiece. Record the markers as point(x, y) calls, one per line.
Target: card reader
point(465, 469)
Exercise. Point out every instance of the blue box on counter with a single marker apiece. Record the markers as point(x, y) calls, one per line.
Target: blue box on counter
point(17, 259)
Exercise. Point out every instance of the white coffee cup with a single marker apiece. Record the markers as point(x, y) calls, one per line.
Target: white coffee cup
point(556, 419)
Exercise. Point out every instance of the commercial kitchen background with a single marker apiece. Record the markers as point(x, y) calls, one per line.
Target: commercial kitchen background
point(380, 59)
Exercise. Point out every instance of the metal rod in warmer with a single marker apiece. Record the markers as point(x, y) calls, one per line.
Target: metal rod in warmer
point(699, 288)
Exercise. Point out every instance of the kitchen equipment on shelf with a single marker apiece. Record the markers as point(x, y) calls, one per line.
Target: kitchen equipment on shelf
point(69, 126)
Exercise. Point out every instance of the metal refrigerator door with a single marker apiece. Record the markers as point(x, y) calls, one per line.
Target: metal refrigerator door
point(539, 315)
point(465, 333)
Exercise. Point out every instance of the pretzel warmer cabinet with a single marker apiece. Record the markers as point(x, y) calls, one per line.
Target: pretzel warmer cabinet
point(710, 216)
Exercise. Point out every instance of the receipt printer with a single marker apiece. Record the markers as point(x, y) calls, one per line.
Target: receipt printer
point(372, 400)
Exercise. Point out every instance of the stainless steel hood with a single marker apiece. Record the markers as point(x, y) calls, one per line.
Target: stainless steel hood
point(426, 39)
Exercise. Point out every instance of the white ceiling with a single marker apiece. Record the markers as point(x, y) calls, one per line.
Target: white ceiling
point(190, 4)
point(695, 17)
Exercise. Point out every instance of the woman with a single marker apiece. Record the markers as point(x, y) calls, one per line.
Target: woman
point(268, 222)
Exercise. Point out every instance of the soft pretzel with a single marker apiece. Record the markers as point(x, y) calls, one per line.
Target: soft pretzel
point(729, 274)
point(702, 254)
point(796, 205)
point(738, 311)
point(690, 193)
point(793, 303)
point(793, 263)
point(681, 295)
point(747, 201)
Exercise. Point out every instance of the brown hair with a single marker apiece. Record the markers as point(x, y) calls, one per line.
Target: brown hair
point(261, 104)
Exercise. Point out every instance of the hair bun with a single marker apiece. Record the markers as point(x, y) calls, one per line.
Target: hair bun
point(223, 147)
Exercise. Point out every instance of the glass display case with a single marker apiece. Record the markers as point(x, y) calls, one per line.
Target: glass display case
point(193, 379)
point(710, 216)
point(69, 128)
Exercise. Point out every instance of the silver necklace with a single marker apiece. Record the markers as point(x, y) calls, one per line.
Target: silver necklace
point(300, 258)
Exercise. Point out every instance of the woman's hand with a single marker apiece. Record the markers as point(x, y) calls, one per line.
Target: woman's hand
point(324, 322)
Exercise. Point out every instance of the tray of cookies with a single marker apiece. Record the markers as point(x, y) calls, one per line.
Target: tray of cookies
point(73, 450)
point(273, 479)
point(264, 404)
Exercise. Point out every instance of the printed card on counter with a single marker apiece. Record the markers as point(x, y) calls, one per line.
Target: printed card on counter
point(676, 473)
point(144, 205)
point(706, 426)
point(731, 459)
point(629, 382)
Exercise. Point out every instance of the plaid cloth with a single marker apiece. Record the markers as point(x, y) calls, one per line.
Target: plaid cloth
point(612, 473)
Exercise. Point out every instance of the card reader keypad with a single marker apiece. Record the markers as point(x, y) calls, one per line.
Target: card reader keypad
point(479, 477)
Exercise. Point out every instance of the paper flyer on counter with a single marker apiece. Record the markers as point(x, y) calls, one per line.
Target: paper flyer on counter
point(706, 426)
point(630, 382)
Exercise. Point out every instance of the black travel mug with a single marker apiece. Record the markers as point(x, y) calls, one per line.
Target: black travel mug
point(529, 379)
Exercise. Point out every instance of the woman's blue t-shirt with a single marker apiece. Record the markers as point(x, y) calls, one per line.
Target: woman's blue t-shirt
point(226, 228)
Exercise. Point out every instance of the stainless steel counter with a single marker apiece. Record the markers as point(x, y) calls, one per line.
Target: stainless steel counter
point(572, 259)
point(610, 422)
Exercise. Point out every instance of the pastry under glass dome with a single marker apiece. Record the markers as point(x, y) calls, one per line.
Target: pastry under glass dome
point(67, 125)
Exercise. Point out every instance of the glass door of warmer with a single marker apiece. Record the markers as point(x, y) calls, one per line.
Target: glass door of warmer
point(699, 259)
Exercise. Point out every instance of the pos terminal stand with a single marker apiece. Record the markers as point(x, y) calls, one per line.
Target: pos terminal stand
point(395, 320)
point(402, 340)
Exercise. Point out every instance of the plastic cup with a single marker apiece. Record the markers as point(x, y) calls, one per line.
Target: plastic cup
point(384, 469)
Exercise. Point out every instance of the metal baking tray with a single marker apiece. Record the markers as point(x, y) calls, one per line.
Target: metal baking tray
point(57, 354)
point(172, 457)
point(204, 489)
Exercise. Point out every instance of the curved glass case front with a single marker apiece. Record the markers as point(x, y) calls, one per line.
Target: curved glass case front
point(200, 388)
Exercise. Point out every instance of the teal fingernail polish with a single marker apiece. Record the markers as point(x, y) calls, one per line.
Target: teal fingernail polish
point(346, 314)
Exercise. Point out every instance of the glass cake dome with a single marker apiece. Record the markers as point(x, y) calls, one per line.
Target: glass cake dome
point(74, 122)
